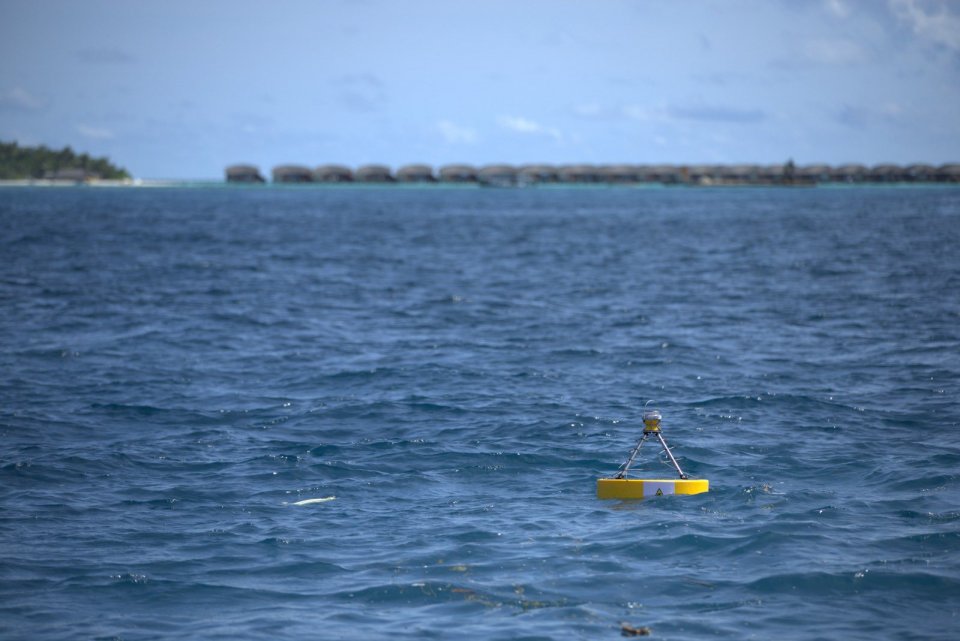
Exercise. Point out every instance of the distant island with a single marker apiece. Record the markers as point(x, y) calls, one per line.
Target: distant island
point(42, 163)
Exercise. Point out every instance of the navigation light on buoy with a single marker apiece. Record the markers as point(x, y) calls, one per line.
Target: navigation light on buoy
point(651, 421)
point(621, 487)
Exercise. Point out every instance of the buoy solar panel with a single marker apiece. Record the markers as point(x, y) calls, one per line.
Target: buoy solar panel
point(621, 487)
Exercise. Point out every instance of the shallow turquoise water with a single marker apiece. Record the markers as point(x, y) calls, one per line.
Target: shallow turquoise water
point(457, 367)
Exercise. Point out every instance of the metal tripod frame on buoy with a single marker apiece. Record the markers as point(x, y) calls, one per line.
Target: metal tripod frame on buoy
point(621, 487)
point(651, 425)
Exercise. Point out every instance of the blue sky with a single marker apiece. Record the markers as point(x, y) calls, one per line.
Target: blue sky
point(181, 89)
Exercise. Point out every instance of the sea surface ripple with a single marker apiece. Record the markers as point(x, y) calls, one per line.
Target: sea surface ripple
point(452, 369)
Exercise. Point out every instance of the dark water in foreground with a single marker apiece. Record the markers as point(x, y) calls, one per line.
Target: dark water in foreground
point(457, 367)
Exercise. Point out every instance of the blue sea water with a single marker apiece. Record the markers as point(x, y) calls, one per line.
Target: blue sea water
point(457, 367)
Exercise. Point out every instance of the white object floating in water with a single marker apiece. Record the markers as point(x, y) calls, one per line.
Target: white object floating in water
point(312, 501)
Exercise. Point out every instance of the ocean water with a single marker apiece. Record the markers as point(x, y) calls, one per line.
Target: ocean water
point(457, 367)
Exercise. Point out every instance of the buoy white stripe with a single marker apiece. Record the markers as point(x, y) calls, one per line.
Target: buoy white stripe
point(658, 488)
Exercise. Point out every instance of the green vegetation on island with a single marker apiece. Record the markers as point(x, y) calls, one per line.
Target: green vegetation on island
point(24, 163)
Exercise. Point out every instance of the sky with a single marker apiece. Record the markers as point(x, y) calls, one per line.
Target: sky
point(181, 89)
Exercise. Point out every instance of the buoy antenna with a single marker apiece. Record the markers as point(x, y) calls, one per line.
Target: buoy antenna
point(651, 426)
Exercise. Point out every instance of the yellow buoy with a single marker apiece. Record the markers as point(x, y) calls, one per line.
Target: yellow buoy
point(641, 488)
point(621, 487)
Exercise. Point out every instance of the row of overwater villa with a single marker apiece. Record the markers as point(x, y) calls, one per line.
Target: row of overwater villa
point(522, 175)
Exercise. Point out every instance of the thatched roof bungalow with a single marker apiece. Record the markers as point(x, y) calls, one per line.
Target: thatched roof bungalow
point(643, 173)
point(818, 173)
point(771, 174)
point(887, 173)
point(620, 174)
point(416, 174)
point(373, 174)
point(920, 173)
point(948, 173)
point(737, 174)
point(497, 175)
point(243, 174)
point(578, 174)
point(703, 174)
point(292, 174)
point(458, 174)
point(71, 175)
point(332, 174)
point(536, 174)
point(850, 173)
point(666, 174)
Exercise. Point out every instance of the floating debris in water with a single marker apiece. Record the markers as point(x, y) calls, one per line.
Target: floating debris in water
point(628, 630)
point(312, 501)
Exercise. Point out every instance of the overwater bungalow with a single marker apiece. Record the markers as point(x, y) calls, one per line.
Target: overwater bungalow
point(850, 173)
point(613, 174)
point(373, 174)
point(243, 174)
point(416, 174)
point(818, 173)
point(644, 173)
point(458, 174)
point(664, 174)
point(887, 173)
point(702, 174)
point(771, 174)
point(948, 173)
point(292, 174)
point(75, 175)
point(577, 174)
point(920, 173)
point(621, 174)
point(497, 176)
point(536, 174)
point(737, 174)
point(332, 174)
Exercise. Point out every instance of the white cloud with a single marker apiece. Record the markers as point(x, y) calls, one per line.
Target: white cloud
point(833, 51)
point(105, 56)
point(361, 93)
point(520, 124)
point(838, 8)
point(716, 113)
point(455, 134)
point(20, 98)
point(863, 116)
point(526, 126)
point(938, 25)
point(892, 110)
point(645, 114)
point(95, 133)
point(589, 110)
point(694, 110)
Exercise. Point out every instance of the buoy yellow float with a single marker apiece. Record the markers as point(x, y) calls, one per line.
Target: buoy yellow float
point(621, 487)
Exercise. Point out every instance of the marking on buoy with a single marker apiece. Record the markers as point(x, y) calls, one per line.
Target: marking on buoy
point(659, 492)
